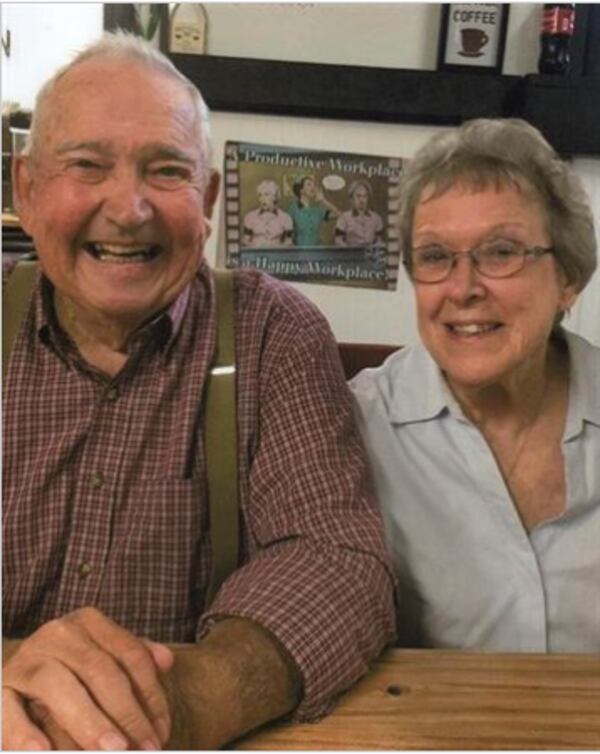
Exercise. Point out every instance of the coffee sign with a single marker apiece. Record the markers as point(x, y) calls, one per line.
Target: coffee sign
point(472, 36)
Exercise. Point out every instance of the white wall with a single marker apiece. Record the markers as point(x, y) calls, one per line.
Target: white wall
point(44, 36)
point(402, 35)
point(395, 35)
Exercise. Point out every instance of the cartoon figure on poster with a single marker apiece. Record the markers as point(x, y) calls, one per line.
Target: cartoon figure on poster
point(267, 226)
point(309, 210)
point(359, 225)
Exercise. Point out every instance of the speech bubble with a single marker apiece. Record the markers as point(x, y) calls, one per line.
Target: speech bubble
point(333, 182)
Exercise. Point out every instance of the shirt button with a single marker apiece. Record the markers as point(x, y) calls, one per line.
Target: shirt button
point(112, 394)
point(96, 481)
point(84, 570)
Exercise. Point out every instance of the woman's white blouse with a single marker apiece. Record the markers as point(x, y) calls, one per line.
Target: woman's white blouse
point(470, 575)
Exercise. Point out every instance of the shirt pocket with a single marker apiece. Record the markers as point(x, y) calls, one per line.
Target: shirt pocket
point(158, 567)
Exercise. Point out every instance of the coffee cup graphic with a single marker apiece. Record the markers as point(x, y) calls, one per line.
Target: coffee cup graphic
point(473, 41)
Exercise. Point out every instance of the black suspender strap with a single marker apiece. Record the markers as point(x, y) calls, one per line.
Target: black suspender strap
point(221, 441)
point(15, 300)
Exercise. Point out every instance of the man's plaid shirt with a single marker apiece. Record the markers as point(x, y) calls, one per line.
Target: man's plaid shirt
point(105, 485)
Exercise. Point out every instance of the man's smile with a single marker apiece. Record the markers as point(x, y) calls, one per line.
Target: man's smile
point(123, 254)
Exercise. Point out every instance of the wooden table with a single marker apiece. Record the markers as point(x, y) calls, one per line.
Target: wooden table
point(433, 699)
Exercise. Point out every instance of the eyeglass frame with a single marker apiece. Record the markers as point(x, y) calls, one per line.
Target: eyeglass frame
point(533, 251)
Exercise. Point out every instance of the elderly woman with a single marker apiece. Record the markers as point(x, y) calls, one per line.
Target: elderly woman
point(485, 439)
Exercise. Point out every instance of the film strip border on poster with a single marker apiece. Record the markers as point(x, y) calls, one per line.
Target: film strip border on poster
point(232, 205)
point(378, 265)
point(393, 233)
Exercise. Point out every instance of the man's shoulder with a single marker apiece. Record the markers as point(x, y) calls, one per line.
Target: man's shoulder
point(259, 291)
point(10, 263)
point(254, 285)
point(8, 267)
point(279, 322)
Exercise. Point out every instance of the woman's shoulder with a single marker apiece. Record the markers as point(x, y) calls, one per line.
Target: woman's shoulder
point(580, 348)
point(584, 368)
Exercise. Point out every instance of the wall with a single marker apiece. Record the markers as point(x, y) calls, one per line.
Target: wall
point(383, 34)
point(44, 36)
point(399, 35)
point(395, 35)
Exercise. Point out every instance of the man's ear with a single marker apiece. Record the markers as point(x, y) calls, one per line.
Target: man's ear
point(211, 193)
point(23, 188)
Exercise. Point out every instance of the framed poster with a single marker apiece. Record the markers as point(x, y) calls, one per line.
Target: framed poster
point(472, 37)
point(312, 216)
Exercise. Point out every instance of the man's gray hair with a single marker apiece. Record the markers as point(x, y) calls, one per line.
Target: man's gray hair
point(487, 153)
point(124, 46)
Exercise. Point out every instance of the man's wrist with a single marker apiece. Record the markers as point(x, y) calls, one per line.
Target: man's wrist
point(237, 678)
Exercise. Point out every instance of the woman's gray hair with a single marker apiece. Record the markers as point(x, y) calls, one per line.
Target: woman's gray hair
point(124, 46)
point(485, 152)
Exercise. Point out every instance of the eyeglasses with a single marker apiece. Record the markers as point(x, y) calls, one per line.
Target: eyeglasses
point(494, 259)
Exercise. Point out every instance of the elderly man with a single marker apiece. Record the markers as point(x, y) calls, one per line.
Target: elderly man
point(267, 226)
point(105, 507)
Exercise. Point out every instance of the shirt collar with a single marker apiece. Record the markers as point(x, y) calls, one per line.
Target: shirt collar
point(424, 393)
point(163, 327)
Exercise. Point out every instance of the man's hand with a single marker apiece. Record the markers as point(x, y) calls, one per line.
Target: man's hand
point(97, 682)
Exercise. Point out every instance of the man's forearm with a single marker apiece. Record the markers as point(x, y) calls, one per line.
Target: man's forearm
point(236, 679)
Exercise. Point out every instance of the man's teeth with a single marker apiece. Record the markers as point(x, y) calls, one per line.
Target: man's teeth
point(122, 254)
point(473, 329)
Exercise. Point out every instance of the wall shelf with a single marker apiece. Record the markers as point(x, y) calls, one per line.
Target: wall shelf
point(566, 110)
point(345, 91)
